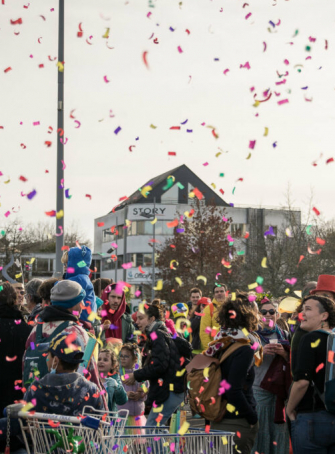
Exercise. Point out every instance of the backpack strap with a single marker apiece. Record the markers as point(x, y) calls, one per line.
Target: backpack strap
point(233, 347)
point(39, 332)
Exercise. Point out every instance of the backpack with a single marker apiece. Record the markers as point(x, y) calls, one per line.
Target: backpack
point(35, 365)
point(328, 395)
point(203, 394)
point(184, 349)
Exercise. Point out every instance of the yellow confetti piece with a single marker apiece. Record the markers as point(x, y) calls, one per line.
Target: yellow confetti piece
point(218, 154)
point(202, 278)
point(153, 126)
point(158, 409)
point(137, 333)
point(252, 286)
point(17, 276)
point(180, 282)
point(171, 266)
point(106, 35)
point(249, 156)
point(60, 66)
point(245, 332)
point(92, 316)
point(191, 195)
point(171, 387)
point(287, 290)
point(257, 103)
point(233, 296)
point(263, 264)
point(230, 408)
point(214, 185)
point(224, 440)
point(27, 407)
point(180, 373)
point(145, 190)
point(291, 322)
point(31, 261)
point(154, 221)
point(206, 372)
point(145, 389)
point(184, 428)
point(6, 182)
point(166, 444)
point(316, 343)
point(266, 132)
point(60, 214)
point(159, 285)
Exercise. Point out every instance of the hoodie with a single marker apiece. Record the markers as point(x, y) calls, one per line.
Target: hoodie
point(64, 394)
point(78, 270)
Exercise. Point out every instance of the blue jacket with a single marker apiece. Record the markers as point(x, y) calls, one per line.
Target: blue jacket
point(80, 261)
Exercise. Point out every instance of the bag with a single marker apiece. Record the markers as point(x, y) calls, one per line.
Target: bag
point(203, 394)
point(35, 364)
point(328, 395)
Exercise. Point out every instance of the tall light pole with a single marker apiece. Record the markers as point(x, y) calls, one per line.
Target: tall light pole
point(60, 146)
point(152, 216)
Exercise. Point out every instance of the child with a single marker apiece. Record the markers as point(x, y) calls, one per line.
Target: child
point(129, 356)
point(108, 369)
point(77, 261)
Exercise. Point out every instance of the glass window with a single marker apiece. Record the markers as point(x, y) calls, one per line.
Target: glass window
point(131, 258)
point(237, 230)
point(147, 260)
point(139, 259)
point(107, 264)
point(120, 230)
point(159, 228)
point(42, 264)
point(107, 236)
point(132, 229)
point(119, 261)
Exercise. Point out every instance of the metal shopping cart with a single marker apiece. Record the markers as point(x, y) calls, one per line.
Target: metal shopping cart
point(160, 441)
point(95, 432)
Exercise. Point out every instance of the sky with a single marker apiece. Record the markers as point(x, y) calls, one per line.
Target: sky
point(167, 62)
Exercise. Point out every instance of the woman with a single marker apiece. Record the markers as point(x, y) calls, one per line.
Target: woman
point(114, 312)
point(195, 320)
point(161, 364)
point(272, 383)
point(312, 426)
point(13, 333)
point(238, 319)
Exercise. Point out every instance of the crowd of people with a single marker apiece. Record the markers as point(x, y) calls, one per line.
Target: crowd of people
point(72, 343)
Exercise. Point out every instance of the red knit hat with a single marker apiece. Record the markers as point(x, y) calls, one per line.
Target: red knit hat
point(326, 283)
point(204, 300)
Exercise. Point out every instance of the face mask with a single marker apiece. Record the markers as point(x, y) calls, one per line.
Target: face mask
point(53, 370)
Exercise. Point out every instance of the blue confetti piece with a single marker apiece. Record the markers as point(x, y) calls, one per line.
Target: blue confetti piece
point(184, 122)
point(117, 130)
point(31, 194)
point(172, 29)
point(189, 130)
point(271, 23)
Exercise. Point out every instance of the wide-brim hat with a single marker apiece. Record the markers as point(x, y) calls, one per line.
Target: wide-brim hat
point(326, 283)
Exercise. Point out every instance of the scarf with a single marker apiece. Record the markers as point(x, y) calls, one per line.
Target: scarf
point(265, 333)
point(115, 329)
point(225, 337)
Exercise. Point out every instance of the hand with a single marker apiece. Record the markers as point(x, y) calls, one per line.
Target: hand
point(292, 415)
point(106, 325)
point(131, 395)
point(130, 380)
point(268, 349)
point(137, 396)
point(280, 350)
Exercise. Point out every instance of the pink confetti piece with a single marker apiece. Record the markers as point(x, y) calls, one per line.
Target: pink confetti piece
point(286, 62)
point(226, 71)
point(153, 336)
point(137, 293)
point(246, 65)
point(254, 346)
point(36, 123)
point(126, 266)
point(180, 50)
point(283, 101)
point(205, 164)
point(70, 270)
point(106, 80)
point(291, 281)
point(7, 214)
point(248, 15)
point(252, 144)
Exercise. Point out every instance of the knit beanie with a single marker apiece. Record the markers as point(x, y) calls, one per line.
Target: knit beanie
point(66, 294)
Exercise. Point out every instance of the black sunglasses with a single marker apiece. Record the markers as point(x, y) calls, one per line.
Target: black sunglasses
point(264, 311)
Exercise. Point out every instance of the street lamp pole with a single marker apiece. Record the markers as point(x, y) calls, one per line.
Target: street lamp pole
point(60, 146)
point(153, 256)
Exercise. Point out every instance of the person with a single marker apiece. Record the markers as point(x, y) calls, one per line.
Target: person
point(63, 314)
point(14, 332)
point(108, 368)
point(195, 295)
point(20, 301)
point(100, 284)
point(208, 320)
point(180, 316)
point(77, 261)
point(195, 323)
point(238, 320)
point(272, 382)
point(161, 364)
point(114, 313)
point(44, 290)
point(325, 286)
point(137, 393)
point(34, 301)
point(312, 427)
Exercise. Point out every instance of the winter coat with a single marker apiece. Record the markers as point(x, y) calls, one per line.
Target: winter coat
point(37, 309)
point(127, 328)
point(52, 317)
point(13, 334)
point(208, 320)
point(64, 394)
point(161, 365)
point(116, 392)
point(80, 274)
point(195, 326)
point(135, 407)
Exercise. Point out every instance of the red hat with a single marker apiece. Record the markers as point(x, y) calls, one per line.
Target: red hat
point(326, 283)
point(204, 300)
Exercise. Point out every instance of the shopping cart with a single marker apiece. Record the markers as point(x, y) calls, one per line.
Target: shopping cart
point(94, 432)
point(160, 441)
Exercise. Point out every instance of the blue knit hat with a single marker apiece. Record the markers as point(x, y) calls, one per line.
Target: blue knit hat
point(66, 294)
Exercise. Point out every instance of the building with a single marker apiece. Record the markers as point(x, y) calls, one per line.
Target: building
point(125, 235)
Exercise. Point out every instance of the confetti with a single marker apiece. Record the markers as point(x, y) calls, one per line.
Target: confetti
point(144, 56)
point(316, 343)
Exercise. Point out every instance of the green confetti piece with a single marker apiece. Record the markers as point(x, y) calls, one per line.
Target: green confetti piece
point(240, 252)
point(221, 175)
point(234, 190)
point(296, 32)
point(308, 230)
point(81, 264)
point(1, 288)
point(3, 232)
point(308, 48)
point(260, 280)
point(180, 186)
point(231, 243)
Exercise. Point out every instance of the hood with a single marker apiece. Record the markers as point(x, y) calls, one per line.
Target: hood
point(62, 393)
point(77, 258)
point(54, 313)
point(13, 312)
point(158, 324)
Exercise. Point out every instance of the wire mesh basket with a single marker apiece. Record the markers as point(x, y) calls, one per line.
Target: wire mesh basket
point(94, 432)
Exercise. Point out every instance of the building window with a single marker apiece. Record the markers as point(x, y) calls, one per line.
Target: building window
point(146, 228)
point(237, 230)
point(107, 236)
point(119, 261)
point(270, 231)
point(131, 258)
point(107, 264)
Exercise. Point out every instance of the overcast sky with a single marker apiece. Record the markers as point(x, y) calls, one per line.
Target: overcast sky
point(185, 79)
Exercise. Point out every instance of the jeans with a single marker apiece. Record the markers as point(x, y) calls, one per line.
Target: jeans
point(169, 406)
point(313, 433)
point(247, 434)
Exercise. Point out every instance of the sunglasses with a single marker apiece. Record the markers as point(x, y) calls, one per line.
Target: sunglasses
point(264, 311)
point(22, 292)
point(124, 356)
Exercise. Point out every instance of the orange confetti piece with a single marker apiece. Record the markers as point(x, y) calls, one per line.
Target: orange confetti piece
point(320, 366)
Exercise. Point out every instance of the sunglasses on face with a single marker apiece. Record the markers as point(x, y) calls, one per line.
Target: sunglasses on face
point(271, 311)
point(22, 292)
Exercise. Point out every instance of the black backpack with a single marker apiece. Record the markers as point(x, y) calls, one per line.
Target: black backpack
point(35, 364)
point(184, 349)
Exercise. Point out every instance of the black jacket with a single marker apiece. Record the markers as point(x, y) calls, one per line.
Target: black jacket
point(13, 334)
point(195, 326)
point(161, 365)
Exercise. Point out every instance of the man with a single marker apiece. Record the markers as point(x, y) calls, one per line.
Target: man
point(63, 315)
point(34, 301)
point(195, 295)
point(208, 320)
point(44, 291)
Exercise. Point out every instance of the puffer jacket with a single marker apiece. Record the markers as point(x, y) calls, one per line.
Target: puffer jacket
point(161, 365)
